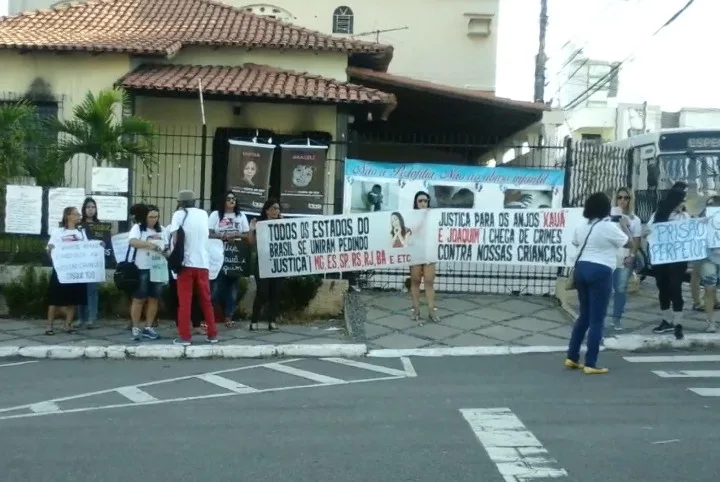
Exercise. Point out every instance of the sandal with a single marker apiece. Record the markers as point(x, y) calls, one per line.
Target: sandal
point(433, 316)
point(414, 314)
point(203, 328)
point(49, 332)
point(230, 324)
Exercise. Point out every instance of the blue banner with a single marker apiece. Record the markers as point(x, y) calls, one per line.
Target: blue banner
point(455, 173)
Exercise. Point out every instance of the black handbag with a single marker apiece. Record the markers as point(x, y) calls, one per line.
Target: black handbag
point(177, 256)
point(127, 274)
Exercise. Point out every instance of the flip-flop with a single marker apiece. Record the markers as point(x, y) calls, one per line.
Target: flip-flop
point(49, 332)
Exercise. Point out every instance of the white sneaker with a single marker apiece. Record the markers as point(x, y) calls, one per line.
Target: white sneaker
point(136, 334)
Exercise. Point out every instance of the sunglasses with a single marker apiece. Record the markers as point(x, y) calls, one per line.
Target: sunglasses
point(623, 198)
point(230, 199)
point(423, 200)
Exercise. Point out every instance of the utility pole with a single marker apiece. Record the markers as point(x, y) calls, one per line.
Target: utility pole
point(644, 117)
point(541, 59)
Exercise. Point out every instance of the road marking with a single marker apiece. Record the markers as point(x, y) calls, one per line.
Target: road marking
point(147, 384)
point(316, 377)
point(687, 373)
point(663, 442)
point(44, 408)
point(672, 359)
point(517, 453)
point(706, 392)
point(174, 400)
point(226, 383)
point(134, 394)
point(17, 363)
point(367, 366)
point(408, 366)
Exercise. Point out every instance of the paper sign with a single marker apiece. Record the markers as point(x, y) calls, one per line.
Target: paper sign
point(112, 208)
point(110, 179)
point(23, 209)
point(79, 262)
point(120, 243)
point(58, 199)
point(678, 241)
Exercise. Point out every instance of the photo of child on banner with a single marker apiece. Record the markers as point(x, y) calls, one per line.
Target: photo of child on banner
point(302, 178)
point(248, 172)
point(382, 186)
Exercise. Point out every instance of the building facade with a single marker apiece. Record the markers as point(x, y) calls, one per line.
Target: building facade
point(448, 43)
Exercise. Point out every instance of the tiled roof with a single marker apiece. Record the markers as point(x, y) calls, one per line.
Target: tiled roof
point(251, 80)
point(478, 96)
point(163, 27)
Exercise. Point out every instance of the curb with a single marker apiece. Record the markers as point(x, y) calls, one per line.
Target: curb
point(626, 343)
point(119, 352)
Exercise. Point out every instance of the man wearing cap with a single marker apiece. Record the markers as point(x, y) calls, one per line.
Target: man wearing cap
point(194, 276)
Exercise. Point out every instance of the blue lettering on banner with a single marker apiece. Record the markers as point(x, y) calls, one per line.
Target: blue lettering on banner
point(678, 241)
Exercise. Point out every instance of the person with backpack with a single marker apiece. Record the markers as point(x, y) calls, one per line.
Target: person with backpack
point(190, 261)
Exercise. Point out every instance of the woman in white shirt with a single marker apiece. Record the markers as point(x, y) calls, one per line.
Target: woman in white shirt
point(65, 297)
point(669, 277)
point(598, 241)
point(626, 257)
point(230, 225)
point(148, 240)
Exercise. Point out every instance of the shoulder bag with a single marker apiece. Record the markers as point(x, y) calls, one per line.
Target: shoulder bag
point(127, 274)
point(177, 256)
point(571, 285)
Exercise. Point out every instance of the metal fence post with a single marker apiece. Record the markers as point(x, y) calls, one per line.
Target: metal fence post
point(568, 166)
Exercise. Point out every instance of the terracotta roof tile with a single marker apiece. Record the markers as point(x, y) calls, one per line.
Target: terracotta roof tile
point(479, 96)
point(162, 27)
point(251, 80)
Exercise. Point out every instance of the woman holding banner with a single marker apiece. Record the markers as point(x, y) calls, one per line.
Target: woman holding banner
point(268, 290)
point(87, 314)
point(669, 277)
point(423, 272)
point(598, 241)
point(65, 297)
point(230, 225)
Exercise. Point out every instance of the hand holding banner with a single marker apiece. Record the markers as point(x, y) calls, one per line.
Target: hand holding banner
point(79, 262)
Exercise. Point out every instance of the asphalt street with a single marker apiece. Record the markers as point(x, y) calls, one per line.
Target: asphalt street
point(426, 419)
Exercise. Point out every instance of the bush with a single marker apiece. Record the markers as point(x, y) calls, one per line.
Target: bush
point(298, 291)
point(26, 296)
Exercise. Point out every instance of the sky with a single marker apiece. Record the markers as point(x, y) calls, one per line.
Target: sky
point(673, 69)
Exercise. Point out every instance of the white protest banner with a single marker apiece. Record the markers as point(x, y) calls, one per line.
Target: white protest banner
point(354, 242)
point(713, 213)
point(678, 241)
point(23, 209)
point(530, 238)
point(79, 262)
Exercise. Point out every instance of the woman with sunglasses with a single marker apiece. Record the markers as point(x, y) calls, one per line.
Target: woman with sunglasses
point(423, 272)
point(626, 256)
point(231, 226)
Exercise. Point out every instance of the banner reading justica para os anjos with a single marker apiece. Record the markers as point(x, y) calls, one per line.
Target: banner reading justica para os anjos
point(358, 242)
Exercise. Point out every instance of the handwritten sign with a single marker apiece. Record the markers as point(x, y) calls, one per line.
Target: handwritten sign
point(678, 241)
point(325, 244)
point(110, 179)
point(236, 259)
point(60, 198)
point(102, 232)
point(120, 243)
point(23, 209)
point(531, 238)
point(79, 262)
point(112, 208)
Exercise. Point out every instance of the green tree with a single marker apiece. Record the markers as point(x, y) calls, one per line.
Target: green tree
point(98, 129)
point(16, 125)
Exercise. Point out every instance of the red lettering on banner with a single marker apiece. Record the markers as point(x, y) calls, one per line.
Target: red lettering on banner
point(464, 235)
point(319, 262)
point(380, 258)
point(554, 219)
point(344, 259)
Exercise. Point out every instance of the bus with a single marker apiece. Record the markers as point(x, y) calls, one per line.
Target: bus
point(657, 160)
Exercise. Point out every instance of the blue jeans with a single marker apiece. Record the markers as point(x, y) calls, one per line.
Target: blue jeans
point(88, 313)
point(594, 284)
point(225, 292)
point(621, 276)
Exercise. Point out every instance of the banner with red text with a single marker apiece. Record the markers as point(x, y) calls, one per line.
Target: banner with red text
point(360, 242)
point(330, 244)
point(530, 238)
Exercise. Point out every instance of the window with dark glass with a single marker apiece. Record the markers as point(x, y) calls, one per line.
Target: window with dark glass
point(343, 20)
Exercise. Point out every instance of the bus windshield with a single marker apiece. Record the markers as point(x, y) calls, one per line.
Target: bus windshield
point(700, 171)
